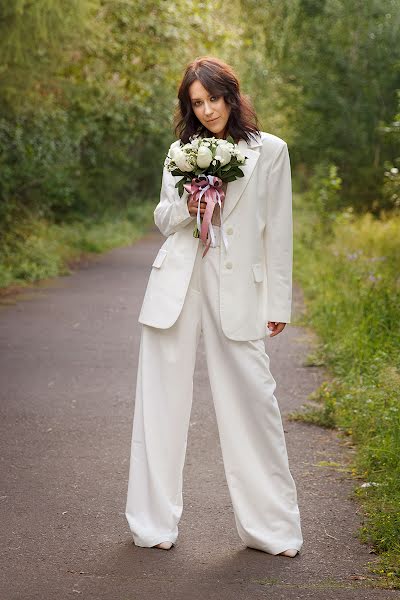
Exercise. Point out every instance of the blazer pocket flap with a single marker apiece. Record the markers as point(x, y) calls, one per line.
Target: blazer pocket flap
point(258, 272)
point(159, 258)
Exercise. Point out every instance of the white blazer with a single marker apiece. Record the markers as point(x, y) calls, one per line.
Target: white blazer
point(255, 270)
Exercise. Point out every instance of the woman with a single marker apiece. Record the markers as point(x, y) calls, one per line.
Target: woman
point(231, 296)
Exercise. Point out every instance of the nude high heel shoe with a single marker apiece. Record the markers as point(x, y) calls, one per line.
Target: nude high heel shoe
point(164, 545)
point(290, 552)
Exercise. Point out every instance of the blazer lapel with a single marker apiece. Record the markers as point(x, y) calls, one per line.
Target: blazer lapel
point(236, 188)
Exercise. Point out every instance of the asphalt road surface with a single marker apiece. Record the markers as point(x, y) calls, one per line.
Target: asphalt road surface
point(68, 369)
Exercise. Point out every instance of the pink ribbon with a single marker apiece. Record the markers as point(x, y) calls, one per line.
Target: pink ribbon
point(209, 189)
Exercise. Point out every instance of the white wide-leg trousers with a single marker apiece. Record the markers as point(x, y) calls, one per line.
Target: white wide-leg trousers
point(261, 487)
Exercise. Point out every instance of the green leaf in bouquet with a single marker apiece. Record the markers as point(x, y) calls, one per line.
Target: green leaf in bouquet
point(230, 177)
point(234, 172)
point(178, 182)
point(179, 185)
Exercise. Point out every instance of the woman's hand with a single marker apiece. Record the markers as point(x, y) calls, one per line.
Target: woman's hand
point(192, 206)
point(275, 327)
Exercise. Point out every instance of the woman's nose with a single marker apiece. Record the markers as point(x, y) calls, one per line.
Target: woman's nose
point(207, 110)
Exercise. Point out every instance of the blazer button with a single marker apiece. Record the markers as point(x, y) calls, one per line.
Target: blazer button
point(229, 231)
point(228, 265)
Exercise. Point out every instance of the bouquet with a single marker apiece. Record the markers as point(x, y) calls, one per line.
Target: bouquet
point(205, 164)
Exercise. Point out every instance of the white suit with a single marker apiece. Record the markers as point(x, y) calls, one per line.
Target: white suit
point(228, 296)
point(257, 268)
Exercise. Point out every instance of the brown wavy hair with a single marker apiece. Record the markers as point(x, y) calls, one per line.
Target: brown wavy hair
point(219, 79)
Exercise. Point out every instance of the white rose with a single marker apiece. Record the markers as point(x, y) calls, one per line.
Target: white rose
point(181, 160)
point(173, 151)
point(240, 156)
point(223, 155)
point(204, 157)
point(223, 142)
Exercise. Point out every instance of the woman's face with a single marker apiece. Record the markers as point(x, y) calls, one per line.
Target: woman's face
point(212, 111)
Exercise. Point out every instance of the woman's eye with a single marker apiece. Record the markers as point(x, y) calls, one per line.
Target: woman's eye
point(199, 101)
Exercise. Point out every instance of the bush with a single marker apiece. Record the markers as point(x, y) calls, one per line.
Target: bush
point(351, 284)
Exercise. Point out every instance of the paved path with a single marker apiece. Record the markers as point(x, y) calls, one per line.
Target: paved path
point(68, 369)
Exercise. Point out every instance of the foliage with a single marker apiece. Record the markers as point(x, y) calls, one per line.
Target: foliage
point(351, 285)
point(34, 38)
point(87, 91)
point(391, 183)
point(331, 71)
point(36, 248)
point(323, 193)
point(39, 154)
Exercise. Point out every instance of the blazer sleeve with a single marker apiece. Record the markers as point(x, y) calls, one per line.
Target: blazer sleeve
point(278, 238)
point(171, 213)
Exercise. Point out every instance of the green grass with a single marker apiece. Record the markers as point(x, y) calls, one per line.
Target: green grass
point(37, 249)
point(351, 281)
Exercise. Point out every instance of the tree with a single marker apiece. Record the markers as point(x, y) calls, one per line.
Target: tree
point(333, 67)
